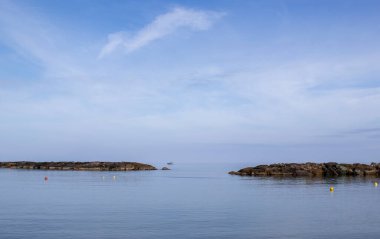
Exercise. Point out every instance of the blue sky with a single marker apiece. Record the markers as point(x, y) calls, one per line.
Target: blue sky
point(252, 81)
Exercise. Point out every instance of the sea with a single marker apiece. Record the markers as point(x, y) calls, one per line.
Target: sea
point(190, 201)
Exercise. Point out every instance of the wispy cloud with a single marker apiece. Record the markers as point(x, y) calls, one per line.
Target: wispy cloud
point(36, 39)
point(162, 26)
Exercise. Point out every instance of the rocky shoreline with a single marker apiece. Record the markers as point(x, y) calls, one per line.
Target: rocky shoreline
point(331, 169)
point(82, 166)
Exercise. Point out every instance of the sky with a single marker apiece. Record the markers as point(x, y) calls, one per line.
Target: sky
point(190, 81)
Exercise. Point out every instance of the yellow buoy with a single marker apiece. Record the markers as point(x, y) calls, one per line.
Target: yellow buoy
point(376, 184)
point(332, 189)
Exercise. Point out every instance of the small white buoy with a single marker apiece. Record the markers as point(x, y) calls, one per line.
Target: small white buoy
point(114, 177)
point(376, 184)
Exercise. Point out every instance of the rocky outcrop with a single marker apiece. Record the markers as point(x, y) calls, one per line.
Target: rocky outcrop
point(84, 166)
point(311, 170)
point(165, 168)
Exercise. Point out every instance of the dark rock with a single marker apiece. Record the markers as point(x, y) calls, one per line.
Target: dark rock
point(83, 166)
point(330, 169)
point(165, 168)
point(233, 173)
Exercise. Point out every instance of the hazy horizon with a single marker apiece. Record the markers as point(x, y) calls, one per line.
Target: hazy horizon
point(190, 81)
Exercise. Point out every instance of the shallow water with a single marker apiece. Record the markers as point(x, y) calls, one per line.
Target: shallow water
point(191, 201)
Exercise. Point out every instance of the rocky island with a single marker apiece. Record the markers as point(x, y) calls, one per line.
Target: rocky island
point(311, 170)
point(83, 166)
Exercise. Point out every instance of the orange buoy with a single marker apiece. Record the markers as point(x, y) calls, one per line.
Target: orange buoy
point(46, 178)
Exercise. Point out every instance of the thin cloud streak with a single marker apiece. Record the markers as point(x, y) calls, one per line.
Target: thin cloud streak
point(161, 27)
point(37, 40)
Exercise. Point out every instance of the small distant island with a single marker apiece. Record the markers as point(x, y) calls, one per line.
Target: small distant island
point(331, 169)
point(82, 166)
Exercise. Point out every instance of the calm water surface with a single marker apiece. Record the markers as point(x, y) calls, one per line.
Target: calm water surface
point(191, 201)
